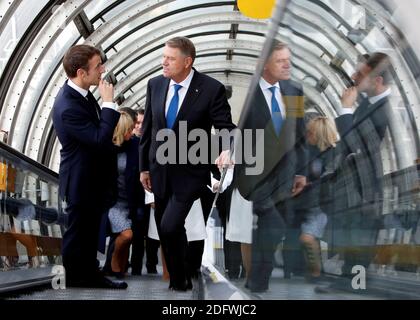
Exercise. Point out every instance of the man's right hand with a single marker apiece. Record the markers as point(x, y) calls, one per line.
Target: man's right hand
point(145, 180)
point(349, 97)
point(106, 91)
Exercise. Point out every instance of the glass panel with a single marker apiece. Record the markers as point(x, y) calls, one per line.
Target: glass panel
point(30, 223)
point(95, 7)
point(17, 26)
point(354, 225)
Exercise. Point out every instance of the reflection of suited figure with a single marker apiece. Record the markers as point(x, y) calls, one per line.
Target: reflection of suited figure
point(283, 153)
point(362, 134)
point(182, 94)
point(85, 133)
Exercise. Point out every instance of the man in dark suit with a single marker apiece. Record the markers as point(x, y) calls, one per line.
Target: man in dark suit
point(276, 110)
point(180, 94)
point(85, 133)
point(362, 133)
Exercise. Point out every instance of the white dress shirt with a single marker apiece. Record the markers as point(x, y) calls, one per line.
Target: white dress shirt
point(265, 88)
point(85, 92)
point(181, 92)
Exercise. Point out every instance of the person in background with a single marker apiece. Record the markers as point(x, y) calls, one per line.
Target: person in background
point(141, 241)
point(121, 213)
point(322, 137)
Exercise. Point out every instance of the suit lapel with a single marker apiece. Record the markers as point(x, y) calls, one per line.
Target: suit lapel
point(362, 110)
point(263, 115)
point(160, 101)
point(192, 94)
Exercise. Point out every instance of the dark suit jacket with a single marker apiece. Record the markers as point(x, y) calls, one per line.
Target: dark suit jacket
point(86, 142)
point(205, 105)
point(362, 134)
point(373, 115)
point(284, 155)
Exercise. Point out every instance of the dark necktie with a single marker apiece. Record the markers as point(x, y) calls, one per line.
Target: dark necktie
point(362, 110)
point(94, 104)
point(173, 107)
point(276, 116)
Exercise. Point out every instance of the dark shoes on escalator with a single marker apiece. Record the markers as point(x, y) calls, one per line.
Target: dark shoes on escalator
point(101, 282)
point(256, 289)
point(182, 286)
point(152, 270)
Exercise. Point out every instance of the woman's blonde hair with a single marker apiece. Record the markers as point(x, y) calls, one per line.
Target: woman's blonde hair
point(125, 124)
point(325, 132)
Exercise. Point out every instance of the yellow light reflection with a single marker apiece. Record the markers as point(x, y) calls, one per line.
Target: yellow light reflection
point(257, 9)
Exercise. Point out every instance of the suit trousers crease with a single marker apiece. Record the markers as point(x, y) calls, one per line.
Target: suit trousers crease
point(170, 216)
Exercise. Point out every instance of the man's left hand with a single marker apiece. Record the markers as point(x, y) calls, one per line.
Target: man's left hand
point(224, 160)
point(298, 185)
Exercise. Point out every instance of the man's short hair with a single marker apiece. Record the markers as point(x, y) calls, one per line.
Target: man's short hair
point(140, 112)
point(184, 44)
point(381, 66)
point(277, 45)
point(77, 57)
point(362, 58)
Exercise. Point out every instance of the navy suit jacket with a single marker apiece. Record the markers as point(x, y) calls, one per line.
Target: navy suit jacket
point(284, 155)
point(362, 134)
point(373, 115)
point(205, 105)
point(86, 144)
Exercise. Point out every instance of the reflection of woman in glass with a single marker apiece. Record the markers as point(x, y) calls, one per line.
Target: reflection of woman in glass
point(119, 214)
point(321, 136)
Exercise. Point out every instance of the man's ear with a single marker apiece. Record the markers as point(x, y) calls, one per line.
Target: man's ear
point(379, 80)
point(188, 62)
point(81, 73)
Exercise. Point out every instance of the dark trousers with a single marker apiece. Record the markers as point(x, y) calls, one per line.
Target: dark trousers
point(140, 229)
point(194, 257)
point(170, 215)
point(233, 259)
point(196, 248)
point(80, 242)
point(269, 231)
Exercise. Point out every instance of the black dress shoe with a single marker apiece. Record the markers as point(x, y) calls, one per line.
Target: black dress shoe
point(96, 282)
point(118, 275)
point(152, 270)
point(179, 286)
point(104, 282)
point(259, 289)
point(136, 272)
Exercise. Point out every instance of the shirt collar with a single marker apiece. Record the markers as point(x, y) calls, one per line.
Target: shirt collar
point(82, 91)
point(265, 85)
point(186, 82)
point(374, 99)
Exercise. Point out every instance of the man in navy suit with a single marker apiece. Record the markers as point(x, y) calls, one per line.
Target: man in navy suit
point(362, 132)
point(276, 110)
point(85, 133)
point(180, 94)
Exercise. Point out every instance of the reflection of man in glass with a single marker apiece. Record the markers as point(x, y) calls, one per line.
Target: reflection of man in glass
point(277, 109)
point(362, 132)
